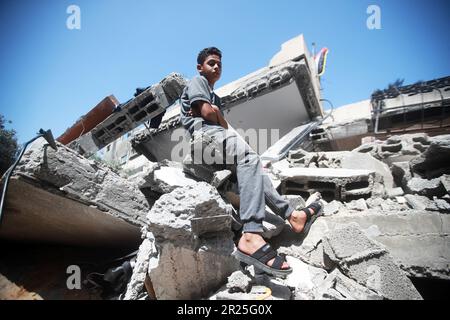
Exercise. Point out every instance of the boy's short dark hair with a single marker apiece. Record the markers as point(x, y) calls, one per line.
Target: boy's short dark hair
point(207, 52)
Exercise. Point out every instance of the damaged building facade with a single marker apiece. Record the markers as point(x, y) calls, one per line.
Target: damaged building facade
point(165, 228)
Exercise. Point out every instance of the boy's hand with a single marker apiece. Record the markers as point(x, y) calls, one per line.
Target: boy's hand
point(193, 113)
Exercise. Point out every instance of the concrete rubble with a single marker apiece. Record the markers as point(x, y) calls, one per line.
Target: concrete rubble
point(368, 263)
point(192, 228)
point(386, 202)
point(63, 187)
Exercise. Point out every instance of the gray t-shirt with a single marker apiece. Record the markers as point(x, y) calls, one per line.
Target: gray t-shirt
point(197, 89)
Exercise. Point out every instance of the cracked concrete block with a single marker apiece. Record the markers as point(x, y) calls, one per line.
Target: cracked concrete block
point(82, 179)
point(71, 200)
point(189, 272)
point(417, 202)
point(331, 183)
point(417, 240)
point(434, 161)
point(368, 263)
point(239, 282)
point(303, 277)
point(425, 187)
point(340, 287)
point(358, 205)
point(310, 249)
point(166, 179)
point(332, 207)
point(442, 205)
point(187, 211)
point(445, 180)
point(147, 250)
point(355, 160)
point(394, 192)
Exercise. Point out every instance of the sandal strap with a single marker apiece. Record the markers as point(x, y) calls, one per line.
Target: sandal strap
point(316, 206)
point(278, 262)
point(265, 253)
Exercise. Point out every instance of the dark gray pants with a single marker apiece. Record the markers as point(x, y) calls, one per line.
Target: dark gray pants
point(224, 149)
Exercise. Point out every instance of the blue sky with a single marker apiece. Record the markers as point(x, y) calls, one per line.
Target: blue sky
point(50, 75)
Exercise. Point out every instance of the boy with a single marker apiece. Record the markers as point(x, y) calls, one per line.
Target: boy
point(200, 114)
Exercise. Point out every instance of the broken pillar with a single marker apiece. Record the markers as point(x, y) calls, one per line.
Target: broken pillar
point(192, 228)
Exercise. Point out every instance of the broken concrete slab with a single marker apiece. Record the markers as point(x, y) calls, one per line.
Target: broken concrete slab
point(357, 205)
point(83, 179)
point(187, 211)
point(304, 278)
point(417, 240)
point(368, 263)
point(434, 162)
point(71, 200)
point(332, 207)
point(425, 187)
point(356, 160)
point(336, 286)
point(188, 272)
point(394, 192)
point(145, 106)
point(192, 228)
point(289, 141)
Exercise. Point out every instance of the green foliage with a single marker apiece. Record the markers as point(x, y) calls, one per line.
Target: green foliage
point(8, 146)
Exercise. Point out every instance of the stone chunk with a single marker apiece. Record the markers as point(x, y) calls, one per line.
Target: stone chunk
point(147, 251)
point(166, 179)
point(435, 161)
point(332, 207)
point(395, 192)
point(338, 287)
point(401, 172)
point(368, 263)
point(445, 180)
point(239, 282)
point(427, 188)
point(358, 205)
point(193, 209)
point(184, 271)
point(417, 202)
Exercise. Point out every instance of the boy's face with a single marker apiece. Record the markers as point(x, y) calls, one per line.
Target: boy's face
point(211, 68)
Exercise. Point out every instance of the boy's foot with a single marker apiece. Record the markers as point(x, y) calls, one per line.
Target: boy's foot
point(298, 219)
point(252, 242)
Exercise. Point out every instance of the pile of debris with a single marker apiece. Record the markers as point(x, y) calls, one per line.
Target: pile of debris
point(385, 220)
point(374, 235)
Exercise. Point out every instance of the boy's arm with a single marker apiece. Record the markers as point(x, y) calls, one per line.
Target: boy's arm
point(208, 112)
